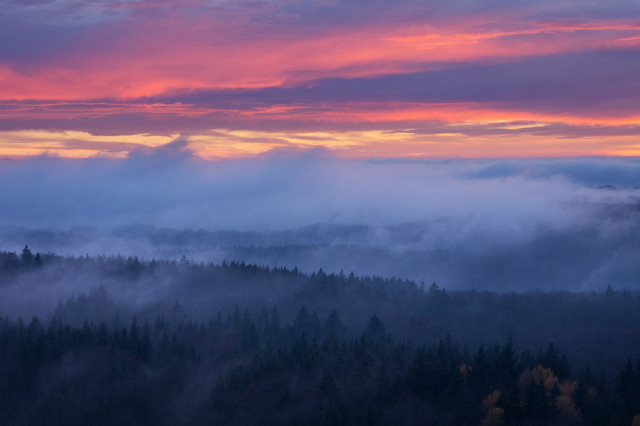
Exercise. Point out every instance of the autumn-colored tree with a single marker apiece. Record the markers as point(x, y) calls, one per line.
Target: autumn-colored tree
point(495, 415)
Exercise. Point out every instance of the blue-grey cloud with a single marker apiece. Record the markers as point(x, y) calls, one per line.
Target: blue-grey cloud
point(491, 224)
point(168, 187)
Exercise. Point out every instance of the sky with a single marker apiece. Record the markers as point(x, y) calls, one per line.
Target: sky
point(359, 79)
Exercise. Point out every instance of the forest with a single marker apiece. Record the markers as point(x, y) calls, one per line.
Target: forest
point(183, 342)
point(319, 212)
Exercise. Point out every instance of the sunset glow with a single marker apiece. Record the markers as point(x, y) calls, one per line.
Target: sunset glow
point(90, 79)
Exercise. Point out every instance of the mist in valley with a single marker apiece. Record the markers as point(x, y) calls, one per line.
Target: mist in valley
point(501, 225)
point(170, 289)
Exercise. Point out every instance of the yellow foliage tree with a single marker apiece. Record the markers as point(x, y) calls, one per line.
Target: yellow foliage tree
point(464, 370)
point(565, 403)
point(494, 417)
point(490, 401)
point(545, 376)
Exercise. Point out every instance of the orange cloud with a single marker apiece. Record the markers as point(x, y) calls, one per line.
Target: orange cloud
point(223, 143)
point(124, 64)
point(180, 54)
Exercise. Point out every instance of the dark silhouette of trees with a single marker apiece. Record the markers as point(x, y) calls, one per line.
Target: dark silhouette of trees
point(241, 344)
point(26, 257)
point(251, 370)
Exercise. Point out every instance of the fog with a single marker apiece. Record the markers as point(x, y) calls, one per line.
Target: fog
point(483, 250)
point(488, 224)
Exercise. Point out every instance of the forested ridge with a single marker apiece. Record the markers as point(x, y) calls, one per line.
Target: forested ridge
point(162, 342)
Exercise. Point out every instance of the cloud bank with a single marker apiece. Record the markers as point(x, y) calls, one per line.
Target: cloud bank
point(507, 224)
point(168, 187)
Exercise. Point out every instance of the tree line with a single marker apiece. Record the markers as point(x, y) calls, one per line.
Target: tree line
point(244, 368)
point(237, 343)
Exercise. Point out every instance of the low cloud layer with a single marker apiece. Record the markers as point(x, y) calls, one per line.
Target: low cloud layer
point(504, 224)
point(167, 187)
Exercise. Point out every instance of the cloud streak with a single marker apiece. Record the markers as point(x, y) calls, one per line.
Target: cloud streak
point(163, 68)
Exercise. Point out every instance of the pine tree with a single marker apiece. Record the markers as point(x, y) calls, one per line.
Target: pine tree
point(26, 257)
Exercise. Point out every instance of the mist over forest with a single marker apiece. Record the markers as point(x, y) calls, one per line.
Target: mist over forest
point(162, 289)
point(503, 225)
point(183, 342)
